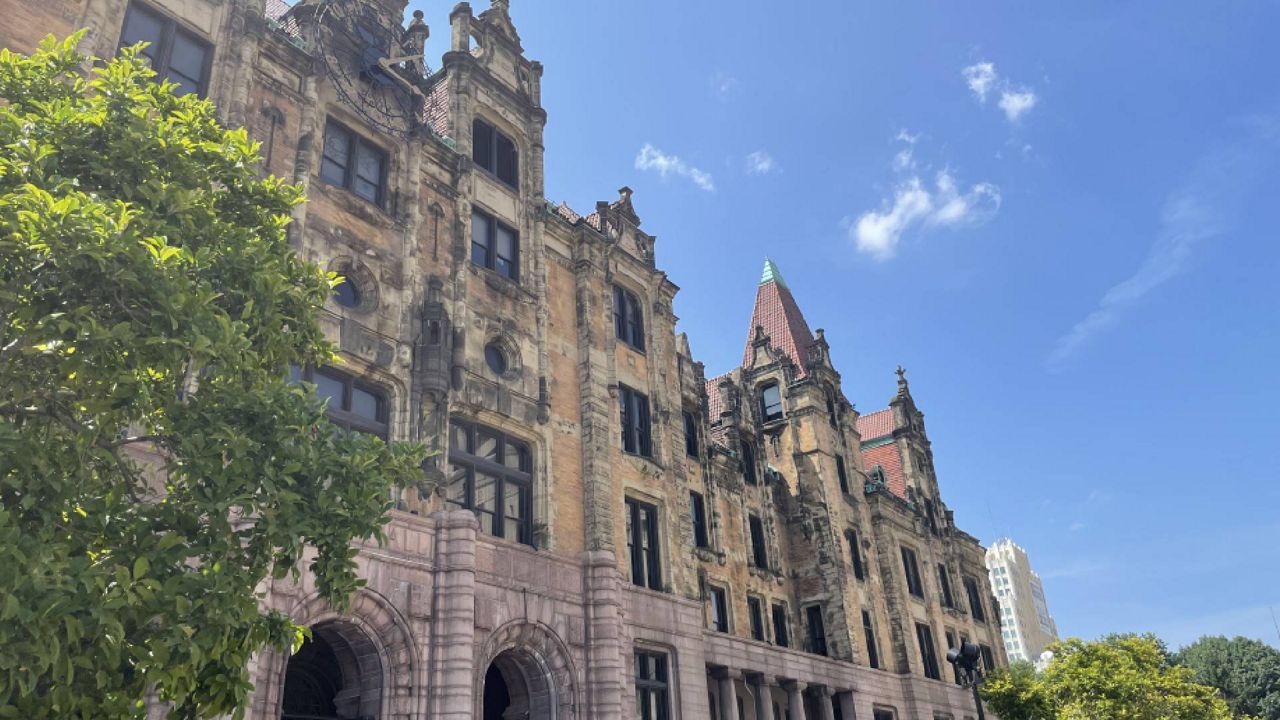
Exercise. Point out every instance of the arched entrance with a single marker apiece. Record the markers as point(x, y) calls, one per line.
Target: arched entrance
point(518, 687)
point(336, 675)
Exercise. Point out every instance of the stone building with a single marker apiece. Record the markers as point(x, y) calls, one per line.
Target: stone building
point(610, 534)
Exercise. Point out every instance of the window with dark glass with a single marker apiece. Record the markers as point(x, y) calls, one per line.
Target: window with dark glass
point(975, 599)
point(944, 587)
point(351, 162)
point(780, 637)
point(628, 319)
point(491, 474)
point(495, 358)
point(817, 633)
point(988, 658)
point(748, 464)
point(653, 689)
point(759, 551)
point(494, 245)
point(755, 611)
point(352, 404)
point(912, 571)
point(855, 555)
point(698, 510)
point(841, 475)
point(495, 152)
point(928, 654)
point(642, 544)
point(770, 402)
point(690, 434)
point(882, 715)
point(831, 408)
point(869, 632)
point(346, 293)
point(719, 606)
point(634, 407)
point(955, 667)
point(174, 53)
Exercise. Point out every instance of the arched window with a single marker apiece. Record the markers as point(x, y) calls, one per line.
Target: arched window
point(770, 402)
point(748, 464)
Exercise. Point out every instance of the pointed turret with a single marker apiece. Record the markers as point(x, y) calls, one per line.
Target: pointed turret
point(779, 316)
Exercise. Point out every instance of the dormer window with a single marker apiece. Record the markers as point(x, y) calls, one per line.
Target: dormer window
point(770, 402)
point(495, 152)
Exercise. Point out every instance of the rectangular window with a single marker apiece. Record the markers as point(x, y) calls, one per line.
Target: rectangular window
point(955, 667)
point(912, 571)
point(882, 715)
point(352, 404)
point(770, 403)
point(642, 544)
point(628, 317)
point(988, 658)
point(928, 653)
point(944, 587)
point(653, 689)
point(634, 407)
point(755, 611)
point(759, 552)
point(698, 510)
point(690, 434)
point(780, 636)
point(495, 152)
point(817, 632)
point(175, 54)
point(841, 475)
point(869, 631)
point(719, 606)
point(494, 245)
point(491, 474)
point(975, 599)
point(349, 161)
point(855, 555)
point(748, 460)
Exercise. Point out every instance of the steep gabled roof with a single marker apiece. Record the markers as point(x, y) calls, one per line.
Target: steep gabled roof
point(878, 424)
point(776, 311)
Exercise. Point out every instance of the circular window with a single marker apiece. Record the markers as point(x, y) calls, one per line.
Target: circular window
point(495, 358)
point(346, 293)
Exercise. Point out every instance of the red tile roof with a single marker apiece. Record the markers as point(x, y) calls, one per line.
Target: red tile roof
point(875, 425)
point(715, 406)
point(776, 311)
point(436, 109)
point(275, 10)
point(888, 458)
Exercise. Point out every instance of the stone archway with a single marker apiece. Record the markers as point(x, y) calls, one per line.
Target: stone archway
point(525, 673)
point(336, 675)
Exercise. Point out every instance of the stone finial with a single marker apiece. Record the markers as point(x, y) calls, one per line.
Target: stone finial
point(502, 6)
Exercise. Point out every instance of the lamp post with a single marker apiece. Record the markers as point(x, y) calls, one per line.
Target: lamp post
point(967, 660)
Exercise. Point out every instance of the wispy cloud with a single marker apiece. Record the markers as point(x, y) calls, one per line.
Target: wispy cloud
point(723, 85)
point(651, 158)
point(1076, 526)
point(760, 163)
point(983, 80)
point(905, 159)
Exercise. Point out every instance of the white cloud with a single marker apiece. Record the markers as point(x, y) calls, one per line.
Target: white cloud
point(1015, 104)
point(1076, 526)
point(878, 232)
point(651, 158)
point(723, 84)
point(981, 78)
point(760, 163)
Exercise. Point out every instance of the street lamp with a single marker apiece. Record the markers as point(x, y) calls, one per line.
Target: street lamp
point(967, 660)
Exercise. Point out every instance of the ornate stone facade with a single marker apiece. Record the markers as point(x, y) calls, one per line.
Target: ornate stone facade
point(535, 349)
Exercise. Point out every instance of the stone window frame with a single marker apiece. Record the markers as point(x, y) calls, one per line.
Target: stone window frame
point(884, 713)
point(927, 646)
point(655, 574)
point(700, 520)
point(171, 27)
point(362, 279)
point(911, 572)
point(758, 603)
point(491, 263)
point(636, 421)
point(496, 133)
point(629, 321)
point(871, 639)
point(667, 687)
point(510, 351)
point(504, 475)
point(692, 444)
point(719, 591)
point(765, 416)
point(811, 637)
point(855, 554)
point(357, 142)
point(946, 594)
point(759, 546)
point(971, 590)
point(748, 461)
point(842, 474)
point(343, 416)
point(774, 607)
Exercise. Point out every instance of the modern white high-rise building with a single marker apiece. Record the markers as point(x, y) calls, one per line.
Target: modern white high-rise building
point(1025, 622)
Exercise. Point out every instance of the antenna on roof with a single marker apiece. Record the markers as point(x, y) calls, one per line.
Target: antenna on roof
point(1273, 621)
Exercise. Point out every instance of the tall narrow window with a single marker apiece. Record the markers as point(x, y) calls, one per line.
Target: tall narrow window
point(755, 611)
point(349, 161)
point(855, 555)
point(634, 407)
point(817, 632)
point(912, 572)
point(869, 632)
point(831, 408)
point(944, 587)
point(748, 464)
point(642, 544)
point(841, 475)
point(780, 636)
point(770, 403)
point(698, 510)
point(628, 318)
point(759, 552)
point(955, 667)
point(494, 152)
point(719, 606)
point(928, 654)
point(352, 404)
point(491, 474)
point(175, 54)
point(494, 245)
point(690, 434)
point(975, 599)
point(652, 686)
point(988, 658)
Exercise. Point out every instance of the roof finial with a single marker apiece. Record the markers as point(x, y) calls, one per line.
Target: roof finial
point(502, 6)
point(902, 380)
point(771, 274)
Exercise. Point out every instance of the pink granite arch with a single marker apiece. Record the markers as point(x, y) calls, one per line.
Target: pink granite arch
point(537, 660)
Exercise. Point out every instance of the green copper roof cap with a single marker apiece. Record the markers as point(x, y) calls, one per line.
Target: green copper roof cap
point(771, 274)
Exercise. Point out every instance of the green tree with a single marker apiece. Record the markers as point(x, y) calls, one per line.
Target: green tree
point(156, 468)
point(1246, 671)
point(1121, 677)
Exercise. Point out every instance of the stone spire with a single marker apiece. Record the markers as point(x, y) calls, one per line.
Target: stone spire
point(779, 316)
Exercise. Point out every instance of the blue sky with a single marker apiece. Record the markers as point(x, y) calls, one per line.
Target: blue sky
point(1059, 217)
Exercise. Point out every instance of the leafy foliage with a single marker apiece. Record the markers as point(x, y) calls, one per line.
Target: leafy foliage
point(156, 468)
point(1121, 677)
point(1246, 671)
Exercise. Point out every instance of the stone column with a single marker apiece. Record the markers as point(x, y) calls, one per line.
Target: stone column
point(605, 667)
point(453, 627)
point(727, 695)
point(846, 705)
point(825, 709)
point(795, 699)
point(764, 696)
